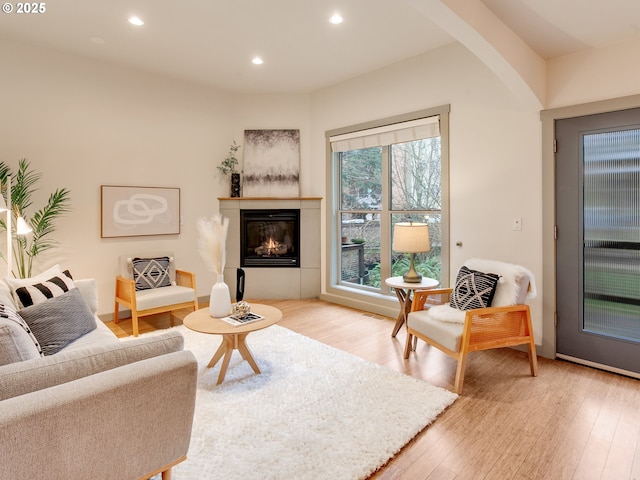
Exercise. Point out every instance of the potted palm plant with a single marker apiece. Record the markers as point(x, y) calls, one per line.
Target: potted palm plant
point(42, 222)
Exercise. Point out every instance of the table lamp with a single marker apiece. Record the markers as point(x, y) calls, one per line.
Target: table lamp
point(411, 238)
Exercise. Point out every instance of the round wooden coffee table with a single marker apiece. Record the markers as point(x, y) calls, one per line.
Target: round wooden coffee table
point(233, 337)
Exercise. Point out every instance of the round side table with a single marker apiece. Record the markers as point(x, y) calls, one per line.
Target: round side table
point(404, 292)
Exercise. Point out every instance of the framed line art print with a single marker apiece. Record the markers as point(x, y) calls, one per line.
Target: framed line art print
point(139, 211)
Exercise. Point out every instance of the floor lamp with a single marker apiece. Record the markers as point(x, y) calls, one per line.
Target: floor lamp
point(22, 228)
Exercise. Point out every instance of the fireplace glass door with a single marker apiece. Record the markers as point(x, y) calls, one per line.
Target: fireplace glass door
point(270, 238)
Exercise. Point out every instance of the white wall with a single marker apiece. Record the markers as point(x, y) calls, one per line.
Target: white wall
point(83, 124)
point(594, 74)
point(255, 112)
point(495, 165)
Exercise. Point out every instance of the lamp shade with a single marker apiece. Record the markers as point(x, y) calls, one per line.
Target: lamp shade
point(22, 227)
point(411, 237)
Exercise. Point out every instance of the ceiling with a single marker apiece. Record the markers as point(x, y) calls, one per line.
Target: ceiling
point(213, 41)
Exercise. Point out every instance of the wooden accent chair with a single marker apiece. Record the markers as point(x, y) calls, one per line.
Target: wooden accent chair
point(506, 323)
point(180, 293)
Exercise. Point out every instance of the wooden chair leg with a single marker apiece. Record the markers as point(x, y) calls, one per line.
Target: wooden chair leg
point(462, 363)
point(134, 322)
point(166, 475)
point(115, 312)
point(533, 359)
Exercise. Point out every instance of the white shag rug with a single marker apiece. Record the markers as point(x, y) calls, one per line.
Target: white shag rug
point(314, 413)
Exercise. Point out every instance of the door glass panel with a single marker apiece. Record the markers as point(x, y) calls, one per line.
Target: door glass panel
point(611, 199)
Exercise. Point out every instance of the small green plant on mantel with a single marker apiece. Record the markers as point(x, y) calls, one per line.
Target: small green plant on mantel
point(42, 222)
point(230, 162)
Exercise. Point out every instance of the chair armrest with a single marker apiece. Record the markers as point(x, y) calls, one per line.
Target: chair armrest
point(185, 279)
point(125, 289)
point(495, 327)
point(428, 298)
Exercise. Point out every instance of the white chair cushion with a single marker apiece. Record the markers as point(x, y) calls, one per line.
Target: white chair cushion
point(447, 334)
point(446, 313)
point(159, 297)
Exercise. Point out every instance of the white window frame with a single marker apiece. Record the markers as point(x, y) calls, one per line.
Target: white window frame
point(336, 291)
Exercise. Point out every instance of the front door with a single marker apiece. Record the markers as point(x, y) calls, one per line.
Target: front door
point(598, 239)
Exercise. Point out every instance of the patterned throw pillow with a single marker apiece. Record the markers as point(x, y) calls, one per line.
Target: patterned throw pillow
point(10, 314)
point(151, 272)
point(60, 320)
point(473, 289)
point(39, 292)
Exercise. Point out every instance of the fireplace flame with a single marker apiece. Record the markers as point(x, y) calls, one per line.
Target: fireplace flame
point(271, 247)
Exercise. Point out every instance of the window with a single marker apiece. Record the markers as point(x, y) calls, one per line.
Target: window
point(383, 173)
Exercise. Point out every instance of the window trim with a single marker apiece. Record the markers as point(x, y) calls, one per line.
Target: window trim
point(380, 303)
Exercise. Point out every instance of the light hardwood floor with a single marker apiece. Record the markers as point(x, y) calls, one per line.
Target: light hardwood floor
point(570, 422)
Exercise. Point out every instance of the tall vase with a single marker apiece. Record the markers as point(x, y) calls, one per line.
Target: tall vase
point(235, 184)
point(220, 299)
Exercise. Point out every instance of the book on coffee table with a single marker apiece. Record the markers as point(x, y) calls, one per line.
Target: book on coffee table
point(237, 320)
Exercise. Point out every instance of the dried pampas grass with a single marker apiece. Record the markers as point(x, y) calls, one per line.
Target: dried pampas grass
point(212, 242)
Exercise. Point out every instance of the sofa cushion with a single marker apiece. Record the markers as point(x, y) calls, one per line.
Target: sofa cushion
point(59, 321)
point(88, 287)
point(36, 374)
point(17, 342)
point(151, 272)
point(473, 289)
point(6, 296)
point(41, 291)
point(101, 335)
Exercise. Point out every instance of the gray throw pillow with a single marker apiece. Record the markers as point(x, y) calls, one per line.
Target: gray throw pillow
point(59, 320)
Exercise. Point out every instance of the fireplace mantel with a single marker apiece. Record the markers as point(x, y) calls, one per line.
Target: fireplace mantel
point(276, 283)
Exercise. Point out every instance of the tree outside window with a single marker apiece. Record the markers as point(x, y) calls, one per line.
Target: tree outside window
point(388, 184)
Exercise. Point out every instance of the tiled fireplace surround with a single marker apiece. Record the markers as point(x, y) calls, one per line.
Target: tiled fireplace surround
point(276, 283)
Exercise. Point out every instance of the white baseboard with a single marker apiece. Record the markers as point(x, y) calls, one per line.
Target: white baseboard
point(599, 366)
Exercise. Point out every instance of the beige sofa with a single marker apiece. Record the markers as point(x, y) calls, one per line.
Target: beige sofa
point(99, 408)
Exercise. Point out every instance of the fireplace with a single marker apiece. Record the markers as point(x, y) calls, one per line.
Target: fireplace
point(270, 238)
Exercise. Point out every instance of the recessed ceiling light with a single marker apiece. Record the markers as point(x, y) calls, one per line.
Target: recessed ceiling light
point(336, 19)
point(137, 21)
point(257, 61)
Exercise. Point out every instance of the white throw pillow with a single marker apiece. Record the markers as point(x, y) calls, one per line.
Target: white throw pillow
point(42, 291)
point(15, 283)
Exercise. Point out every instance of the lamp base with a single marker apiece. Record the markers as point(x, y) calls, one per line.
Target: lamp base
point(412, 276)
point(417, 278)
